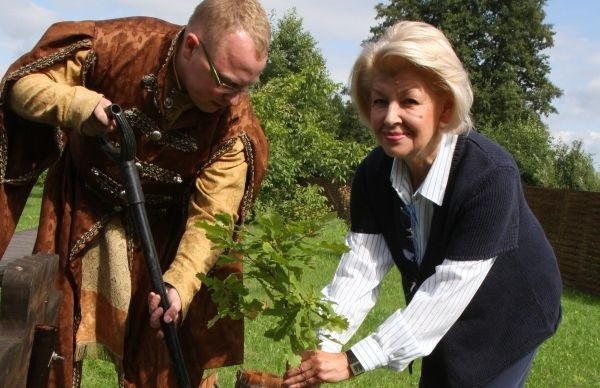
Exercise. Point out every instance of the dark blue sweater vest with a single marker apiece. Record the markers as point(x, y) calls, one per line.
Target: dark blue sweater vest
point(484, 214)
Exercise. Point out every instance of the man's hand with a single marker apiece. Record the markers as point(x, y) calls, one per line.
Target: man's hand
point(99, 123)
point(156, 312)
point(317, 367)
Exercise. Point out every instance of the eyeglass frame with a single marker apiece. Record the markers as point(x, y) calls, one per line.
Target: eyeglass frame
point(215, 74)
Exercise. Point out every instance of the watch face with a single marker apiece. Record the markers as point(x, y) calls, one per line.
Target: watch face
point(356, 368)
point(355, 365)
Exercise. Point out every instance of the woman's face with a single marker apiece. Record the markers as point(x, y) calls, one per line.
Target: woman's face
point(407, 113)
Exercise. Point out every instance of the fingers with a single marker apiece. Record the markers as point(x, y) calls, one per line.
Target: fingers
point(318, 367)
point(302, 376)
point(157, 312)
point(99, 123)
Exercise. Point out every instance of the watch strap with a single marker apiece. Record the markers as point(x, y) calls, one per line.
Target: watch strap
point(355, 365)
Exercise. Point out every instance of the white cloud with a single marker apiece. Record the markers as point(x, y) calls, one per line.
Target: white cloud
point(20, 27)
point(574, 60)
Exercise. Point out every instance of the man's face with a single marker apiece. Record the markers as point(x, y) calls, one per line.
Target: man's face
point(215, 77)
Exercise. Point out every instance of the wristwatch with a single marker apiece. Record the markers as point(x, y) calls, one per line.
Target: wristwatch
point(355, 365)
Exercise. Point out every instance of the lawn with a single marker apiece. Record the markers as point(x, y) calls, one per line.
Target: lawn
point(569, 359)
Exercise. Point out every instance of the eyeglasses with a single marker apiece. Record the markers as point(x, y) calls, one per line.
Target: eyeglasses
point(215, 74)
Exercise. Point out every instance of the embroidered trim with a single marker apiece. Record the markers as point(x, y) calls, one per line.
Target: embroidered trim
point(112, 192)
point(3, 154)
point(174, 139)
point(129, 227)
point(150, 83)
point(43, 63)
point(225, 147)
point(77, 374)
point(249, 192)
point(249, 153)
point(28, 178)
point(172, 47)
point(90, 61)
point(88, 236)
point(158, 173)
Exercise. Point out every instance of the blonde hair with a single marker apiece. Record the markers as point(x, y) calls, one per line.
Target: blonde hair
point(424, 47)
point(217, 18)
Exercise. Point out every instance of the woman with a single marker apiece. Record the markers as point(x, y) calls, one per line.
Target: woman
point(445, 205)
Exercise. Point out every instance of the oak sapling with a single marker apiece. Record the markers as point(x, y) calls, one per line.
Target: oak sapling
point(278, 255)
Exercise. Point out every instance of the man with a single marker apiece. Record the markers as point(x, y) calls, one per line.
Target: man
point(200, 151)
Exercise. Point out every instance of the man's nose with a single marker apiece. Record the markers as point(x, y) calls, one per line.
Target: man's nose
point(232, 98)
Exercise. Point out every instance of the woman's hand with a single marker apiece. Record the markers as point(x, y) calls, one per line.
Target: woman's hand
point(318, 367)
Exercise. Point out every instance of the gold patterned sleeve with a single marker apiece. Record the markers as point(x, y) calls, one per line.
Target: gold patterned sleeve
point(55, 96)
point(220, 188)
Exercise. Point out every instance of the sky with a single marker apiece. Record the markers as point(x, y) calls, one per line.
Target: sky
point(339, 27)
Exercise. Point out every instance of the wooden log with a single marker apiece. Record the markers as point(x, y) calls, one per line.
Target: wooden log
point(28, 300)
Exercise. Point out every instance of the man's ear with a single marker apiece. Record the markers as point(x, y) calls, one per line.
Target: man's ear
point(190, 43)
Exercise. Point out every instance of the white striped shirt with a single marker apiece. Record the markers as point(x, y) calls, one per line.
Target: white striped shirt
point(414, 331)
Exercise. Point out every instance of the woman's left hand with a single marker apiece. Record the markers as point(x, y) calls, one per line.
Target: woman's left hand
point(317, 367)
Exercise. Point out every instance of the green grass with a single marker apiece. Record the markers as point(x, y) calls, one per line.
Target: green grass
point(569, 359)
point(29, 218)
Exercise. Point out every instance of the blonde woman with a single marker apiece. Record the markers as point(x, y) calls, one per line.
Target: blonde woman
point(445, 206)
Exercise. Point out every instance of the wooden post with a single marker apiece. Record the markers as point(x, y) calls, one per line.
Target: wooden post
point(28, 305)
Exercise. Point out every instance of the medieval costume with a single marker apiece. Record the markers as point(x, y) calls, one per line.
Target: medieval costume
point(192, 165)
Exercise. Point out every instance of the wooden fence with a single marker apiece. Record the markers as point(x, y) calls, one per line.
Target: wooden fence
point(28, 313)
point(571, 220)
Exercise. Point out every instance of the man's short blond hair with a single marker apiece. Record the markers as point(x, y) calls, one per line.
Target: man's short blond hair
point(217, 18)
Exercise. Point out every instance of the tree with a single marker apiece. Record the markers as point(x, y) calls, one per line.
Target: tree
point(531, 146)
point(574, 168)
point(501, 44)
point(300, 108)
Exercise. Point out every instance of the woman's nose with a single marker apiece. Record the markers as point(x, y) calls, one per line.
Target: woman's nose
point(393, 114)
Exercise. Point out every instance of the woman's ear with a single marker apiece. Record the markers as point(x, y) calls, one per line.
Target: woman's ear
point(447, 110)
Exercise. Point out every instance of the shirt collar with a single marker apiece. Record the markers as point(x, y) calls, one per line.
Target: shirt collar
point(434, 185)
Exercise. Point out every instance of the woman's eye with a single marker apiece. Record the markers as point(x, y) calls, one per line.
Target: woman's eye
point(379, 102)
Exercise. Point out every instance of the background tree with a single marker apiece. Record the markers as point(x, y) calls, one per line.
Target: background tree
point(300, 107)
point(574, 168)
point(501, 44)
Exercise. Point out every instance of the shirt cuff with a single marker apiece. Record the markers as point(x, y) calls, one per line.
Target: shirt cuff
point(370, 355)
point(330, 346)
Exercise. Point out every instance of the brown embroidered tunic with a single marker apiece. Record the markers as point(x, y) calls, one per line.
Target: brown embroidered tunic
point(187, 161)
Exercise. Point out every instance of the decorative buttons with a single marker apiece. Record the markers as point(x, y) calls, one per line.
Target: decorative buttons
point(155, 135)
point(168, 102)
